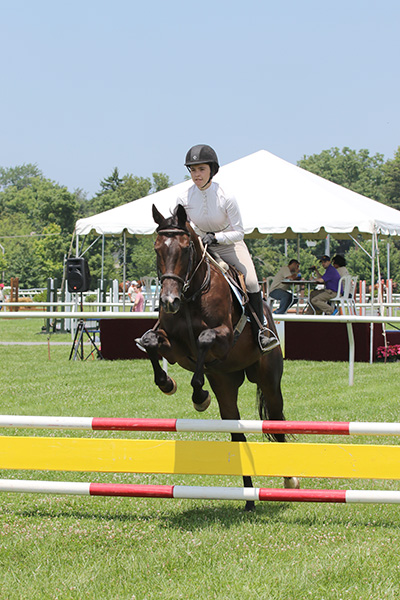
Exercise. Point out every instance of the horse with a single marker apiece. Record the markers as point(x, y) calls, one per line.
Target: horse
point(121, 286)
point(196, 329)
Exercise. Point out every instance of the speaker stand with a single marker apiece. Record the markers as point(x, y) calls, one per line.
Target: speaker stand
point(77, 345)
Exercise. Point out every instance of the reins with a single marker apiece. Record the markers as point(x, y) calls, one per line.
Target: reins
point(205, 282)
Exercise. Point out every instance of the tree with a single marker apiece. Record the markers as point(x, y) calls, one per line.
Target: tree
point(31, 205)
point(141, 259)
point(128, 189)
point(391, 186)
point(111, 183)
point(19, 176)
point(22, 262)
point(57, 205)
point(357, 171)
point(50, 251)
point(15, 238)
point(160, 182)
point(133, 188)
point(43, 202)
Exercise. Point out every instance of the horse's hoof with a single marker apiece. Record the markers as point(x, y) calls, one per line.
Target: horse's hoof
point(291, 483)
point(250, 506)
point(204, 405)
point(173, 389)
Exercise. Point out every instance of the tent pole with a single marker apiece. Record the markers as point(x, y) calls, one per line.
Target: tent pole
point(328, 245)
point(124, 273)
point(298, 247)
point(102, 258)
point(371, 327)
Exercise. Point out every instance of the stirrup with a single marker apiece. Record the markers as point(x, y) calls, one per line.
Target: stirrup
point(139, 345)
point(267, 340)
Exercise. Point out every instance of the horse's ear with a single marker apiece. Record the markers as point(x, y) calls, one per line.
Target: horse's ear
point(157, 216)
point(182, 216)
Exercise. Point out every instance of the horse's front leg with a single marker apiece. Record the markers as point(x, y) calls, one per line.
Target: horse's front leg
point(153, 343)
point(201, 398)
point(226, 387)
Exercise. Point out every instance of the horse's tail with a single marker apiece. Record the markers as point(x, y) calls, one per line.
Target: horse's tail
point(264, 415)
point(261, 405)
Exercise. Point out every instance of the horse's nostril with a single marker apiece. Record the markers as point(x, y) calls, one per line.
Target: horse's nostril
point(170, 305)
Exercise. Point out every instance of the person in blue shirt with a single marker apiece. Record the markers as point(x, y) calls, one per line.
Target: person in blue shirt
point(319, 299)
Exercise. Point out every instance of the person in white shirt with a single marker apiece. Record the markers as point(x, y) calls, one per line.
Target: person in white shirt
point(281, 291)
point(215, 215)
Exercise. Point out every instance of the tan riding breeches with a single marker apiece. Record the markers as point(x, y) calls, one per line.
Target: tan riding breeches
point(238, 255)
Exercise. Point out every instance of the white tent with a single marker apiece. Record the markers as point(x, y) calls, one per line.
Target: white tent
point(275, 197)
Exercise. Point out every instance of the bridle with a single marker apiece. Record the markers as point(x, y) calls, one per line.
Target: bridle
point(190, 271)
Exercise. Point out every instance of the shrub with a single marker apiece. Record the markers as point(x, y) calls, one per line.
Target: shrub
point(40, 297)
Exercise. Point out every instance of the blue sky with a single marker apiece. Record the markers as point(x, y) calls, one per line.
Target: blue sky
point(90, 85)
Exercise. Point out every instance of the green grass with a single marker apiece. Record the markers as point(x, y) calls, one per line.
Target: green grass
point(28, 330)
point(69, 547)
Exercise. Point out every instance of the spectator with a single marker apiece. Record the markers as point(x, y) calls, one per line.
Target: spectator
point(132, 291)
point(138, 305)
point(1, 295)
point(339, 262)
point(281, 291)
point(319, 299)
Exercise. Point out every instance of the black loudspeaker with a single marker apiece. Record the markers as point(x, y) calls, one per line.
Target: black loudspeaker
point(78, 275)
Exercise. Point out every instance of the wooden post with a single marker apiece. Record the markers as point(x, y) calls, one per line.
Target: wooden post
point(14, 283)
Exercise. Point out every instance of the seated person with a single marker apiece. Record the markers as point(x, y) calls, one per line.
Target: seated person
point(319, 299)
point(339, 262)
point(281, 291)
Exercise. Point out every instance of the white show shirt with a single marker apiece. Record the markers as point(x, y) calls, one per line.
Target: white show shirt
point(213, 210)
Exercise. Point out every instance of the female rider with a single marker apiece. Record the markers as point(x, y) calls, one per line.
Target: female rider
point(216, 217)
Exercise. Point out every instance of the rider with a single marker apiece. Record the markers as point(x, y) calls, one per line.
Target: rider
point(216, 217)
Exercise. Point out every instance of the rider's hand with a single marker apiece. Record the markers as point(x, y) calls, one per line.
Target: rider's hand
point(209, 239)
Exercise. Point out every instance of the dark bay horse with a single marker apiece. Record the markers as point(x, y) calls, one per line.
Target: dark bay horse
point(198, 315)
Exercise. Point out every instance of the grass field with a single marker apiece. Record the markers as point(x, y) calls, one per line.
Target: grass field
point(70, 547)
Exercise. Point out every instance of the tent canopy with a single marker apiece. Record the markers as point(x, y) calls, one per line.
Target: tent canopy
point(275, 198)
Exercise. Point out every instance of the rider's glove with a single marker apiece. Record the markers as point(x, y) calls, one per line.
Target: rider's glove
point(209, 239)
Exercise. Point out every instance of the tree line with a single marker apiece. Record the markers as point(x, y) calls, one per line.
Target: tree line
point(38, 215)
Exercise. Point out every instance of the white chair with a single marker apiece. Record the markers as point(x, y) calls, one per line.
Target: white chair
point(342, 295)
point(351, 301)
point(268, 298)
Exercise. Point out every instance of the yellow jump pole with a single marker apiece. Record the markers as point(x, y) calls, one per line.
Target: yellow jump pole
point(200, 457)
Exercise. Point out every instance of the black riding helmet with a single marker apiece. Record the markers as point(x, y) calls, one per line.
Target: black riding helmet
point(202, 154)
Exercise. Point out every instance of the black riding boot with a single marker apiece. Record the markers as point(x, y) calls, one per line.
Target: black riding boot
point(265, 338)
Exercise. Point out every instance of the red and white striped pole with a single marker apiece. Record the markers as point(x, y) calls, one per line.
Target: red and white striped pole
point(200, 492)
point(199, 425)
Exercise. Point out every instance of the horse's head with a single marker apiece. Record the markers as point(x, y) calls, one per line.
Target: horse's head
point(174, 250)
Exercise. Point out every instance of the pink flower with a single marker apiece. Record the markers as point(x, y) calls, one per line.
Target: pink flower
point(391, 351)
